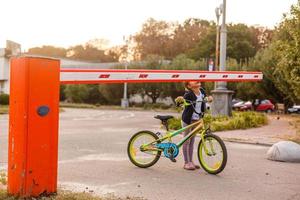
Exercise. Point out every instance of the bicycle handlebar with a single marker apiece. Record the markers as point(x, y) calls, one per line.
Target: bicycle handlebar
point(180, 101)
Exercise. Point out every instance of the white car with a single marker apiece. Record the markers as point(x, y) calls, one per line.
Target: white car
point(294, 109)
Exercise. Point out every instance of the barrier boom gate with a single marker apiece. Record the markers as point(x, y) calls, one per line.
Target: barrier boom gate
point(73, 76)
point(34, 112)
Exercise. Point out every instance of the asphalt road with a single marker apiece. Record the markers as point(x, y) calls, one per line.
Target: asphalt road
point(92, 158)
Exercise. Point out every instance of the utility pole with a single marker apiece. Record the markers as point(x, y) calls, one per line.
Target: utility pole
point(222, 97)
point(124, 101)
point(223, 43)
point(218, 14)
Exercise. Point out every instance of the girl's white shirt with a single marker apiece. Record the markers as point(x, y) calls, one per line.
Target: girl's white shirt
point(199, 100)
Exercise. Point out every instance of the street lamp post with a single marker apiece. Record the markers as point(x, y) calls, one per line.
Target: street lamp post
point(124, 101)
point(223, 43)
point(218, 14)
point(222, 97)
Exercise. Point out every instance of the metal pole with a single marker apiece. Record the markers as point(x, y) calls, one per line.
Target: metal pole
point(217, 49)
point(217, 39)
point(124, 101)
point(222, 97)
point(218, 14)
point(223, 41)
point(125, 86)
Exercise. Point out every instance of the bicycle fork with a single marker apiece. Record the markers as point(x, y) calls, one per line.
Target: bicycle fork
point(212, 153)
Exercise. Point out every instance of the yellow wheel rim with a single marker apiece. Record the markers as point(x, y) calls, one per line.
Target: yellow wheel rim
point(139, 156)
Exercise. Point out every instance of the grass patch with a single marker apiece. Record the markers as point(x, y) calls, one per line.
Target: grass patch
point(3, 109)
point(67, 195)
point(76, 105)
point(239, 120)
point(3, 178)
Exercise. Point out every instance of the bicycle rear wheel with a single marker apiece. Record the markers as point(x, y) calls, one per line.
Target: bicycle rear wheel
point(213, 159)
point(143, 157)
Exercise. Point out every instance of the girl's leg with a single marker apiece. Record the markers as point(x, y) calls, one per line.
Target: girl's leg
point(191, 148)
point(185, 146)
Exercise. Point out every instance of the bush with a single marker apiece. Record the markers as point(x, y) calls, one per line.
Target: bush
point(4, 99)
point(239, 120)
point(76, 93)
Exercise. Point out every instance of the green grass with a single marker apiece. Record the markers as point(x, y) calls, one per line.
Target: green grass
point(239, 120)
point(3, 109)
point(3, 178)
point(67, 195)
point(76, 105)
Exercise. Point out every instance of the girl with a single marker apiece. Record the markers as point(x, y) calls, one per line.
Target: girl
point(194, 95)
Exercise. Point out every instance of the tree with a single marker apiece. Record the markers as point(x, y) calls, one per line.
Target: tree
point(206, 46)
point(189, 34)
point(153, 39)
point(48, 50)
point(287, 54)
point(280, 61)
point(89, 52)
point(240, 44)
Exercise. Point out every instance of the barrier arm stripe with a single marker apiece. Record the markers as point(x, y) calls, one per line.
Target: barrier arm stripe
point(91, 76)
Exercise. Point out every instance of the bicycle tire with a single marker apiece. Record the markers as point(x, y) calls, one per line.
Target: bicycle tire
point(129, 146)
point(224, 151)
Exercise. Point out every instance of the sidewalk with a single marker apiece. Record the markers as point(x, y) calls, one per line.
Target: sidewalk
point(275, 131)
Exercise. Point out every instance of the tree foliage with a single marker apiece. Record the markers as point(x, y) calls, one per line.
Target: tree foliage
point(48, 50)
point(280, 61)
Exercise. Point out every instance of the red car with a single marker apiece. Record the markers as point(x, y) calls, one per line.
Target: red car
point(266, 106)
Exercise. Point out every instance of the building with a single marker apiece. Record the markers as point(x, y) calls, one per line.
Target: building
point(4, 72)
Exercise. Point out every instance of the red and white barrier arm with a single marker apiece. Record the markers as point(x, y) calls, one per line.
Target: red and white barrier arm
point(90, 76)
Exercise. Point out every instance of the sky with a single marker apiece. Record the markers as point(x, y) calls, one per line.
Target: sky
point(68, 22)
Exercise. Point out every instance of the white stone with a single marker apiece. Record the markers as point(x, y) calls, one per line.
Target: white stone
point(285, 151)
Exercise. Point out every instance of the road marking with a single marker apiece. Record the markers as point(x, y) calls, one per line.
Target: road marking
point(97, 157)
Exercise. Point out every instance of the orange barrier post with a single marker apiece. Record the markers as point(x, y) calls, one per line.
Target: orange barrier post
point(33, 126)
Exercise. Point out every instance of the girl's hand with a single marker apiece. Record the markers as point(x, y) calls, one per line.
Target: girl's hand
point(209, 99)
point(179, 100)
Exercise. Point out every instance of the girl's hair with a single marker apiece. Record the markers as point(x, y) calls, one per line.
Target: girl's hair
point(186, 85)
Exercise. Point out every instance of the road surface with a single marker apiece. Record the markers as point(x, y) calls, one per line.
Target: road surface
point(92, 158)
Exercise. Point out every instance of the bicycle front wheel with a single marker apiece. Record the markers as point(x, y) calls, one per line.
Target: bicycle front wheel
point(212, 154)
point(143, 156)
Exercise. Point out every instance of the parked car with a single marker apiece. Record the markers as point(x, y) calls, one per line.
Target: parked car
point(235, 101)
point(265, 106)
point(237, 105)
point(294, 109)
point(243, 106)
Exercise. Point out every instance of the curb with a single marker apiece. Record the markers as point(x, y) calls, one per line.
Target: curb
point(246, 142)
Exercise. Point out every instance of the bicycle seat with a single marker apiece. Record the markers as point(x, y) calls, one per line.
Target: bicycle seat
point(163, 117)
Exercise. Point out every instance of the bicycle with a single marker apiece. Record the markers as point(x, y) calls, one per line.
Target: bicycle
point(145, 147)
